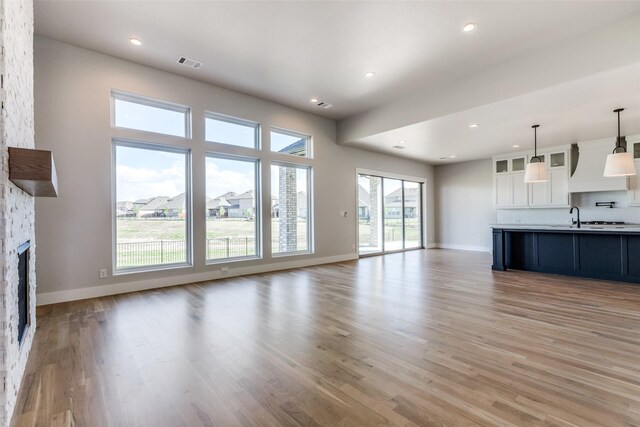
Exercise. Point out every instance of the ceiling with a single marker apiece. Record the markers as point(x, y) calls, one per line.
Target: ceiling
point(579, 110)
point(290, 51)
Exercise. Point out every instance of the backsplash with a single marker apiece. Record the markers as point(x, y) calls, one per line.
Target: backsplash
point(588, 211)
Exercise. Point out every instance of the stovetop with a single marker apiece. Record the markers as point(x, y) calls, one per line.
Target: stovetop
point(602, 222)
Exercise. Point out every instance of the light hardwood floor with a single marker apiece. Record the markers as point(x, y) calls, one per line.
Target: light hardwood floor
point(422, 338)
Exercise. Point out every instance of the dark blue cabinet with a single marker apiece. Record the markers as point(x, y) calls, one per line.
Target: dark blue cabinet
point(604, 254)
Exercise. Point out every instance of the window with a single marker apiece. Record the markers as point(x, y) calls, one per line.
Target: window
point(152, 206)
point(233, 215)
point(139, 113)
point(292, 143)
point(291, 208)
point(227, 130)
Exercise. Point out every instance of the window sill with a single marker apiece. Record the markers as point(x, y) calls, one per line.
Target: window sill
point(286, 254)
point(149, 269)
point(231, 260)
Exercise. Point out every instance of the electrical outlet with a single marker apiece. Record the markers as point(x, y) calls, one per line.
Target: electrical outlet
point(103, 273)
point(353, 246)
point(224, 270)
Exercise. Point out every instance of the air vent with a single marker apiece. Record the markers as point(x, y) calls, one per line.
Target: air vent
point(187, 62)
point(323, 104)
point(399, 147)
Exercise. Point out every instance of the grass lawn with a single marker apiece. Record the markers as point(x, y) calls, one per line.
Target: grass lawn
point(139, 240)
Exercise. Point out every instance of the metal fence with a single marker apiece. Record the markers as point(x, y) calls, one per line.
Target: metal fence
point(175, 251)
point(229, 247)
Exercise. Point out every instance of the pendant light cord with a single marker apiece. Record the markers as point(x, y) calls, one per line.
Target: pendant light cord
point(619, 139)
point(535, 144)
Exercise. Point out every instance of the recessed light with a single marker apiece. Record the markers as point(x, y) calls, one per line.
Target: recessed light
point(469, 26)
point(135, 42)
point(516, 146)
point(402, 142)
point(474, 125)
point(369, 74)
point(314, 100)
point(452, 157)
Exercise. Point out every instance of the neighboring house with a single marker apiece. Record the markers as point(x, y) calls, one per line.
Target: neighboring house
point(174, 207)
point(298, 148)
point(152, 209)
point(364, 202)
point(301, 201)
point(242, 205)
point(393, 203)
point(214, 205)
point(125, 209)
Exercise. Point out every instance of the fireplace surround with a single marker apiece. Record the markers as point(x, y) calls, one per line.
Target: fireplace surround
point(24, 315)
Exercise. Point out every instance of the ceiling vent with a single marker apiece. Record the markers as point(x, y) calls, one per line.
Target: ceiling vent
point(398, 147)
point(187, 62)
point(323, 104)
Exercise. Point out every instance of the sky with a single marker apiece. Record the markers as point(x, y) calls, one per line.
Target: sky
point(143, 174)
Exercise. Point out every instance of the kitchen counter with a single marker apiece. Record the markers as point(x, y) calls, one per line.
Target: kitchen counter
point(631, 228)
point(610, 252)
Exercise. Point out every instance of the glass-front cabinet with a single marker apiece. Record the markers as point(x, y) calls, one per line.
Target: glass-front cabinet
point(510, 190)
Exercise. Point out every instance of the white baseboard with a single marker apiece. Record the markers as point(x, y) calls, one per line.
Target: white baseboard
point(463, 247)
point(431, 246)
point(141, 285)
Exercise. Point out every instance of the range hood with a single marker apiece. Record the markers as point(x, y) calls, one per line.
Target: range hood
point(588, 175)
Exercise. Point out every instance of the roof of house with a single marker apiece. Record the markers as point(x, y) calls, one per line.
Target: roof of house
point(217, 202)
point(411, 193)
point(228, 195)
point(364, 198)
point(155, 203)
point(246, 195)
point(298, 148)
point(176, 202)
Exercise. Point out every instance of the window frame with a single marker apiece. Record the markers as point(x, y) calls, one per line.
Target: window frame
point(288, 132)
point(310, 211)
point(258, 201)
point(154, 103)
point(257, 132)
point(123, 142)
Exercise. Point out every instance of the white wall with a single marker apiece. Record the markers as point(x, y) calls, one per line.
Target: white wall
point(464, 207)
point(72, 90)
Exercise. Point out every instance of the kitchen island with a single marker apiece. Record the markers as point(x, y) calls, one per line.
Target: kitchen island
point(599, 252)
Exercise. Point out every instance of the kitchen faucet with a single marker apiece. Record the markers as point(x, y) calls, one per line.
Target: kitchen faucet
point(571, 213)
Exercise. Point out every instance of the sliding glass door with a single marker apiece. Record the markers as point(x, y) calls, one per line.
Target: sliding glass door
point(389, 214)
point(370, 214)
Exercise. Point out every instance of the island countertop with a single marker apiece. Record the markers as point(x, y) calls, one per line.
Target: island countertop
point(625, 228)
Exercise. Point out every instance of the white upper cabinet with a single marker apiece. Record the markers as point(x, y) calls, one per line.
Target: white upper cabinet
point(510, 190)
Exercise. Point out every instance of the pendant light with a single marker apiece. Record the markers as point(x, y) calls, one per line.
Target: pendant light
point(619, 164)
point(536, 169)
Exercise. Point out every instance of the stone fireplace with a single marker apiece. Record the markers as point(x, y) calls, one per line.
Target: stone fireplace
point(17, 208)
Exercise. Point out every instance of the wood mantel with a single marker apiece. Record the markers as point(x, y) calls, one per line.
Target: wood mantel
point(34, 171)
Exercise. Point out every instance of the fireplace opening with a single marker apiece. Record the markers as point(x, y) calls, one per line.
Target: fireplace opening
point(23, 289)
